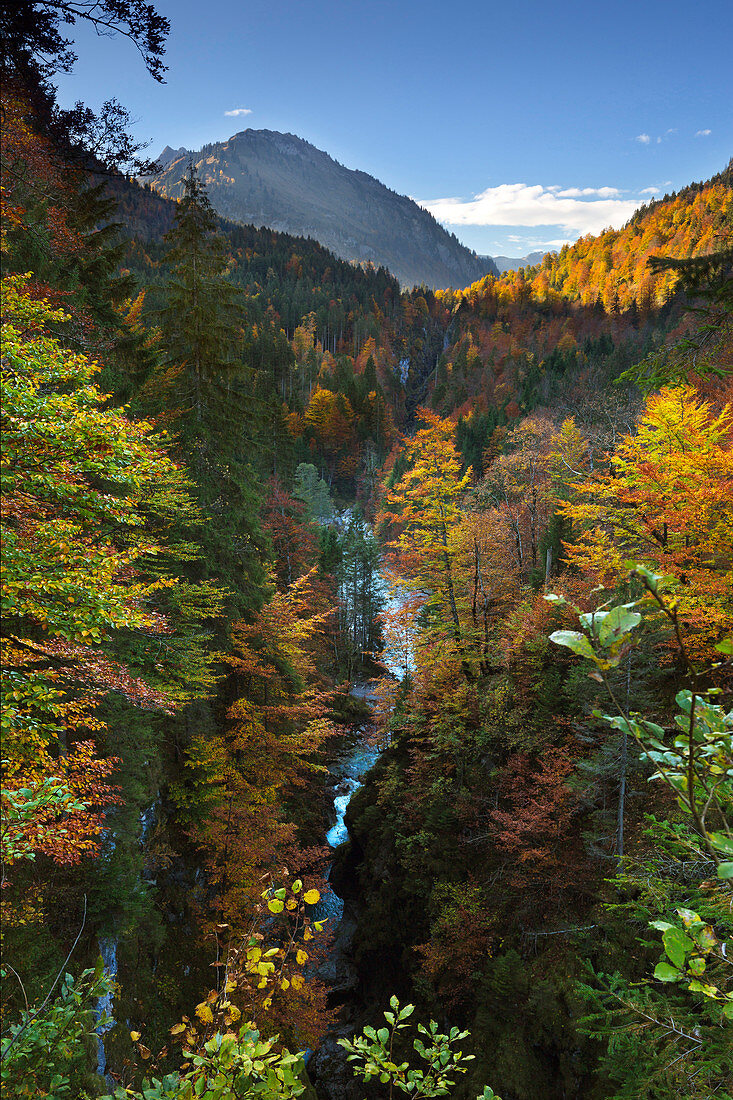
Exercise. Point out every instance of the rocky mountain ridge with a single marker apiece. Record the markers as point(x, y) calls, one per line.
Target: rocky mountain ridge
point(512, 263)
point(266, 178)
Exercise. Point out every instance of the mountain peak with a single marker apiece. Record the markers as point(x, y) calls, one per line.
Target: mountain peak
point(168, 156)
point(283, 182)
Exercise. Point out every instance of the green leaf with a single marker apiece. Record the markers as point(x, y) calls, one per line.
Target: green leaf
point(651, 578)
point(663, 972)
point(705, 937)
point(722, 843)
point(725, 870)
point(677, 945)
point(616, 623)
point(726, 646)
point(684, 700)
point(571, 639)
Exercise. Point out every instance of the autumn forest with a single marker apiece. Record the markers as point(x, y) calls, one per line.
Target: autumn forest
point(367, 650)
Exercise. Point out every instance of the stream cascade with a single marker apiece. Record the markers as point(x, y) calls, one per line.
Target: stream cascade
point(327, 1066)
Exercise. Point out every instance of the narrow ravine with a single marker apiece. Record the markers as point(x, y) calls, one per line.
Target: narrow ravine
point(348, 769)
point(108, 950)
point(327, 1066)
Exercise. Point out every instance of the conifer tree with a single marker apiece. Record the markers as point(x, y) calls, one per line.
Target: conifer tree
point(217, 418)
point(200, 321)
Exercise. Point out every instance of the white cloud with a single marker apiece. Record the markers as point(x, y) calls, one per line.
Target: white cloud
point(586, 192)
point(531, 205)
point(703, 133)
point(650, 191)
point(672, 130)
point(533, 245)
point(643, 138)
point(237, 112)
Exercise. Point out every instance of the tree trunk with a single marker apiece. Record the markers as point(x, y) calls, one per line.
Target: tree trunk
point(453, 607)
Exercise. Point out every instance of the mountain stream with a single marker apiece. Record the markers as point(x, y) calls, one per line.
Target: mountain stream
point(348, 769)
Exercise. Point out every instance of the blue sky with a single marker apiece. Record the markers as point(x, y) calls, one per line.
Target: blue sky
point(519, 124)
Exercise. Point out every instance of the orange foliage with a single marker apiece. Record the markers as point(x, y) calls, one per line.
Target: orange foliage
point(668, 503)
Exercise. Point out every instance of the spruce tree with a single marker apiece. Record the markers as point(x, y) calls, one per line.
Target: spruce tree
point(218, 418)
point(200, 319)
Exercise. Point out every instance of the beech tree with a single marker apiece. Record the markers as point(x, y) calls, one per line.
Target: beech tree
point(69, 584)
point(519, 484)
point(667, 502)
point(423, 507)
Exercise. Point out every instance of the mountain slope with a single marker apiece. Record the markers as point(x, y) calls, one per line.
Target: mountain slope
point(265, 178)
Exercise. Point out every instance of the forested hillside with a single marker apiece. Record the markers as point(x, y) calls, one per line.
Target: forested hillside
point(269, 520)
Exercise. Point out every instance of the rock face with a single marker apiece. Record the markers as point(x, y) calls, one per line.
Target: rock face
point(330, 1071)
point(168, 156)
point(265, 178)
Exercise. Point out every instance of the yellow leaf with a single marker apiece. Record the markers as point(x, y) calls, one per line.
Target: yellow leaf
point(310, 897)
point(204, 1013)
point(296, 981)
point(135, 1035)
point(301, 957)
point(177, 1029)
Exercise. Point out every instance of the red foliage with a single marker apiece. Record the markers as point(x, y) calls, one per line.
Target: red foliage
point(537, 826)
